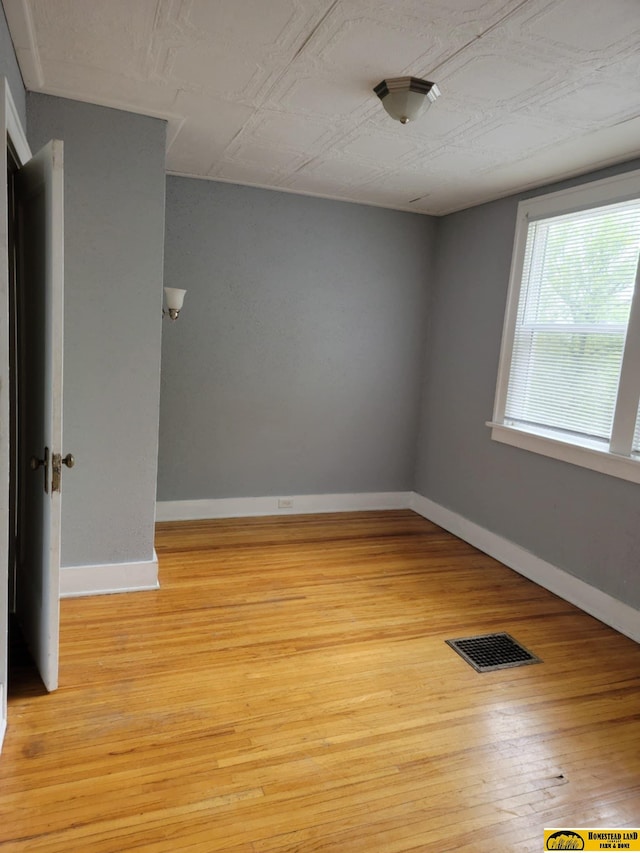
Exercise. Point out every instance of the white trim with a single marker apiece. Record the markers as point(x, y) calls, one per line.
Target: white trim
point(626, 412)
point(4, 420)
point(594, 458)
point(301, 504)
point(15, 131)
point(604, 607)
point(618, 188)
point(16, 136)
point(614, 459)
point(510, 317)
point(109, 578)
point(25, 43)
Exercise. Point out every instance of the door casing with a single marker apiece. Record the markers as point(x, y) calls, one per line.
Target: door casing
point(17, 149)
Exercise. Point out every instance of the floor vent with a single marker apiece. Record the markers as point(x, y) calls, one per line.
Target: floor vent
point(492, 651)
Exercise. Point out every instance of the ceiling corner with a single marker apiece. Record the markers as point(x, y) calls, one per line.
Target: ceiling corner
point(18, 14)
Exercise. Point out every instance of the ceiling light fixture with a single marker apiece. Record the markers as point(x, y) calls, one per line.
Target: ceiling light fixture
point(405, 98)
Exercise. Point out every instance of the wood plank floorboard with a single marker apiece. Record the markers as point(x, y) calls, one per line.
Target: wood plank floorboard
point(289, 690)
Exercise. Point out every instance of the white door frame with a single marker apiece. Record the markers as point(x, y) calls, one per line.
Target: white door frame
point(10, 121)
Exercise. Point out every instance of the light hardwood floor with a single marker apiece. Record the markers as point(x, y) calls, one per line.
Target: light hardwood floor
point(289, 689)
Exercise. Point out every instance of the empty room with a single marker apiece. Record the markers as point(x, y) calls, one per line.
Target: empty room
point(320, 426)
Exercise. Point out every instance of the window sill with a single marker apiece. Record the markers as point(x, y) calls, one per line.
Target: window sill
point(586, 454)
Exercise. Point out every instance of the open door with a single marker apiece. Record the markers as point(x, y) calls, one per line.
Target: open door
point(40, 267)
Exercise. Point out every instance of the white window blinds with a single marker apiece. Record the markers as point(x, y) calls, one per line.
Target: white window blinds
point(577, 286)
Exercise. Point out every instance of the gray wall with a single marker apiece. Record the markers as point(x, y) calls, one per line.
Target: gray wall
point(581, 521)
point(9, 68)
point(295, 366)
point(114, 231)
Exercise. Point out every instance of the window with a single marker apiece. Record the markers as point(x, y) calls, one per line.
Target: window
point(569, 376)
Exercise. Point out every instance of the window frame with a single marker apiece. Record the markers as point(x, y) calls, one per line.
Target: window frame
point(607, 457)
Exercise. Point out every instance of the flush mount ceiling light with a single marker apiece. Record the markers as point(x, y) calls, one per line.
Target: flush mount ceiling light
point(405, 98)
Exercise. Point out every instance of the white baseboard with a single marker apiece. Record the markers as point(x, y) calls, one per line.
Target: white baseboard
point(3, 728)
point(110, 578)
point(300, 504)
point(604, 607)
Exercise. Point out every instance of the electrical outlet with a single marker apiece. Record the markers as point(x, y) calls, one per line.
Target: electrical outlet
point(285, 503)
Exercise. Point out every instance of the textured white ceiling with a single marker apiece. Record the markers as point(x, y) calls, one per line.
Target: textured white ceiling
point(278, 93)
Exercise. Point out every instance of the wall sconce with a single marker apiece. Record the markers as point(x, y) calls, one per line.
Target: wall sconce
point(174, 298)
point(405, 98)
